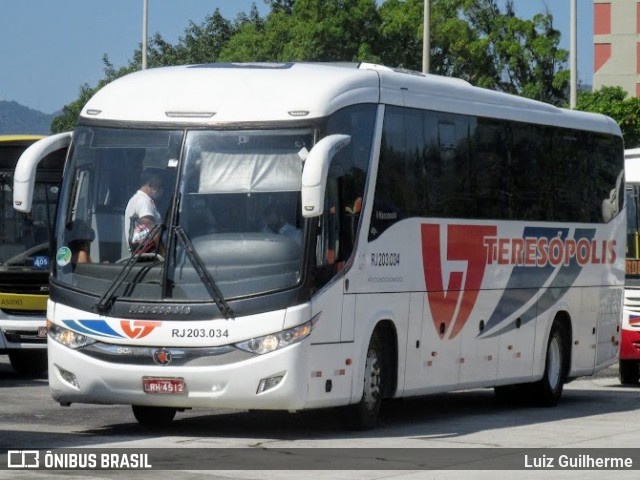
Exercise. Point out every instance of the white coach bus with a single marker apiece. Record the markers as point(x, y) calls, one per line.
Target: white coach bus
point(629, 364)
point(330, 236)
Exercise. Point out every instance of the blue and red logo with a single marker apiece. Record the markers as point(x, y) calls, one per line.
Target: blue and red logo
point(541, 257)
point(135, 329)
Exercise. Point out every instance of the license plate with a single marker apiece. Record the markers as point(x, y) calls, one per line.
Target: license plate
point(632, 267)
point(42, 332)
point(170, 386)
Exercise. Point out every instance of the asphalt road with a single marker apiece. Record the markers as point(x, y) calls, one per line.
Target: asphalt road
point(595, 412)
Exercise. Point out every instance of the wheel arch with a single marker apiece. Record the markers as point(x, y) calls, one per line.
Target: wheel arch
point(563, 320)
point(385, 327)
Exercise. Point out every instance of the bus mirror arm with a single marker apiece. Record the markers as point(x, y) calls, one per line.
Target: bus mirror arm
point(315, 172)
point(24, 178)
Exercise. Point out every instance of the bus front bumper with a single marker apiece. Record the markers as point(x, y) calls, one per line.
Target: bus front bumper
point(78, 378)
point(630, 344)
point(22, 333)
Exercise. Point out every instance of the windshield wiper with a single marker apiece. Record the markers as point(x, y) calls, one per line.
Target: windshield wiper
point(203, 273)
point(106, 301)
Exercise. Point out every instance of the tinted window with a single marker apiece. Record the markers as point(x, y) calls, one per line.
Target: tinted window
point(435, 164)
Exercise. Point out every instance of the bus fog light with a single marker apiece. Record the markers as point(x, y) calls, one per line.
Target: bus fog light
point(69, 377)
point(269, 383)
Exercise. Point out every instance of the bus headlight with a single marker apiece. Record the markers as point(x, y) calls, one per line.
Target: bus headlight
point(275, 341)
point(67, 337)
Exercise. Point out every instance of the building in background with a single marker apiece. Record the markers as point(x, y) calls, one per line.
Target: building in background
point(616, 43)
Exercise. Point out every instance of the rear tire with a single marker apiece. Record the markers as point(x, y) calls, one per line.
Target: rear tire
point(547, 391)
point(628, 372)
point(29, 363)
point(153, 416)
point(363, 415)
point(511, 394)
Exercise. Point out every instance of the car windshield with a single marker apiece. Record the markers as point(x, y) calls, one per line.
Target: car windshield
point(230, 196)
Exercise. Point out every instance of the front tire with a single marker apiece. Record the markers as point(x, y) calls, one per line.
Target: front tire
point(153, 416)
point(29, 363)
point(547, 391)
point(363, 415)
point(628, 372)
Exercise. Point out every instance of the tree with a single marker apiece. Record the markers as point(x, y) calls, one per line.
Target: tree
point(613, 101)
point(477, 41)
point(67, 120)
point(310, 30)
point(280, 5)
point(472, 39)
point(70, 113)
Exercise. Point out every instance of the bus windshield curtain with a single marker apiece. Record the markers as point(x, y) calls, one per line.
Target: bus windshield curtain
point(250, 172)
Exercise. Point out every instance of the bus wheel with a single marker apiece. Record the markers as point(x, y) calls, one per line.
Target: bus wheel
point(510, 394)
point(628, 372)
point(547, 391)
point(363, 415)
point(153, 416)
point(29, 363)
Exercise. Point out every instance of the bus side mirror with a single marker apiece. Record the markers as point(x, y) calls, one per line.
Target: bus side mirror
point(611, 205)
point(315, 172)
point(24, 178)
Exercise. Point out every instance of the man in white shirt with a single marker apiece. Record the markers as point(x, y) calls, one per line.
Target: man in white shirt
point(141, 213)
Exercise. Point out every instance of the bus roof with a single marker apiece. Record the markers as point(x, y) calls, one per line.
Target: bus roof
point(221, 93)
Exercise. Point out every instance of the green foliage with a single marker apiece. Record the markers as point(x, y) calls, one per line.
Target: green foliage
point(472, 39)
point(67, 120)
point(310, 30)
point(477, 41)
point(613, 101)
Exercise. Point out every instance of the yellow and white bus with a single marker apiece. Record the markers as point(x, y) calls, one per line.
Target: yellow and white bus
point(329, 236)
point(24, 257)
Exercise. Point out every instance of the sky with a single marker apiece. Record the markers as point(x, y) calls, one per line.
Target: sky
point(49, 48)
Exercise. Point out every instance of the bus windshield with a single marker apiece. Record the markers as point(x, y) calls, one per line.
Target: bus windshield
point(632, 199)
point(232, 197)
point(24, 238)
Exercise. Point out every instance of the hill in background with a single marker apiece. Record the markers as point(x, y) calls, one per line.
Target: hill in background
point(17, 119)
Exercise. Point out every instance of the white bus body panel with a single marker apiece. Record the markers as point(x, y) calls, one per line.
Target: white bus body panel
point(224, 94)
point(502, 352)
point(387, 280)
point(211, 94)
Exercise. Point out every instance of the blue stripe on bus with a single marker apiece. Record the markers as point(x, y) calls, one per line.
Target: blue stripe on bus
point(552, 294)
point(92, 327)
